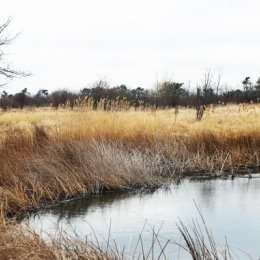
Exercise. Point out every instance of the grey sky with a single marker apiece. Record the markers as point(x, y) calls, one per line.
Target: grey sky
point(70, 44)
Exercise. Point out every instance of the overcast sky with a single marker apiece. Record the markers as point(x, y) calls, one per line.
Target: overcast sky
point(70, 44)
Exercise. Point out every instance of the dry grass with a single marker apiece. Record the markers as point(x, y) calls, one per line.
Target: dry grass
point(137, 127)
point(66, 169)
point(17, 242)
point(48, 155)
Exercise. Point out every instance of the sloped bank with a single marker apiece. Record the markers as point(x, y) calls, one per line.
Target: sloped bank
point(37, 171)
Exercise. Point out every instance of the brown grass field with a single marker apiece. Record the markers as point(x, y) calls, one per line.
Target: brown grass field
point(48, 155)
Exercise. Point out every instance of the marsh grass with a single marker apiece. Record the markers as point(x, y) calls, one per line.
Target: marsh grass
point(198, 243)
point(19, 242)
point(49, 155)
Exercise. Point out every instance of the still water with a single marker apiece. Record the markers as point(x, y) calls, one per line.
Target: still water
point(231, 209)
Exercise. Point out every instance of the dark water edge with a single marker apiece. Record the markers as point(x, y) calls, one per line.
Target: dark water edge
point(231, 209)
point(239, 171)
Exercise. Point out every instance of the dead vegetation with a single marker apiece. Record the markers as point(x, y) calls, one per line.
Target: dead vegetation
point(51, 155)
point(48, 156)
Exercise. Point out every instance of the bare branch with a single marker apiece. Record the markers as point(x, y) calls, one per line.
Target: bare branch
point(6, 72)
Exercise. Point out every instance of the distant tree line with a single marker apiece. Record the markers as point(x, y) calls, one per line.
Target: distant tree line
point(166, 94)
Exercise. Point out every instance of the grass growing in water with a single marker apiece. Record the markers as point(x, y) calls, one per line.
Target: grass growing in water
point(48, 155)
point(52, 154)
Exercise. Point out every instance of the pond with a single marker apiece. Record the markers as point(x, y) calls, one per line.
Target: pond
point(231, 209)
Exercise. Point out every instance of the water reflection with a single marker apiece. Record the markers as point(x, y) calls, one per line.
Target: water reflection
point(81, 207)
point(230, 207)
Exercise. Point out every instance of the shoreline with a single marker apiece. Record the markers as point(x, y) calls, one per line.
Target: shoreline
point(202, 175)
point(52, 156)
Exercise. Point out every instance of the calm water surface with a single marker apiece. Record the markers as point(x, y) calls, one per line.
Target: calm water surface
point(231, 209)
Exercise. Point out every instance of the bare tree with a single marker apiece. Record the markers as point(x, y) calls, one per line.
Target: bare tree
point(203, 94)
point(207, 93)
point(6, 71)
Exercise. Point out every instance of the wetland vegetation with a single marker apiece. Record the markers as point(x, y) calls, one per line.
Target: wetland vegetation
point(66, 145)
point(49, 155)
